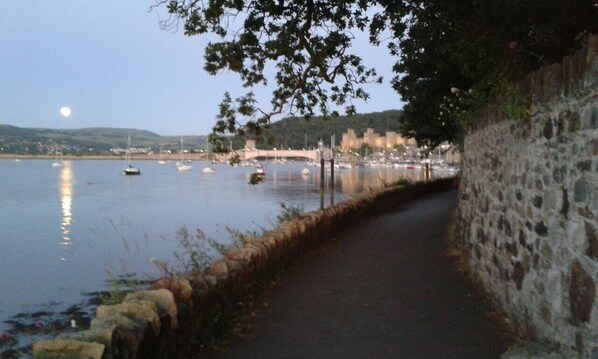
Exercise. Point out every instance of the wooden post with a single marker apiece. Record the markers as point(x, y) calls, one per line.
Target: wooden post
point(322, 173)
point(332, 173)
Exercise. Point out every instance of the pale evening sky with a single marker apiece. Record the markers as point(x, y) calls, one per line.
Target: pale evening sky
point(112, 65)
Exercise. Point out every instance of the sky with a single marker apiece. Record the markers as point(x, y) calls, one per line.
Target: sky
point(112, 65)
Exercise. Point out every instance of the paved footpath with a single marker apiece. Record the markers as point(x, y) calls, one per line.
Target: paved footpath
point(381, 290)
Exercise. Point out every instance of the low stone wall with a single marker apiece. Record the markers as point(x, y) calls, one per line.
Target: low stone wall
point(183, 312)
point(528, 207)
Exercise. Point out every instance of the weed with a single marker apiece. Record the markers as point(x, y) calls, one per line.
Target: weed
point(288, 212)
point(196, 252)
point(195, 257)
point(402, 182)
point(120, 287)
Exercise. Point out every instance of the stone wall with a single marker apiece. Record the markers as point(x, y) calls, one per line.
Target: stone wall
point(528, 206)
point(180, 313)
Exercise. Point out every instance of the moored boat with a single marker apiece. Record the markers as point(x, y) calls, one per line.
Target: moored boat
point(130, 170)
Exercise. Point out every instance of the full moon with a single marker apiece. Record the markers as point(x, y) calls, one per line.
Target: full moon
point(65, 111)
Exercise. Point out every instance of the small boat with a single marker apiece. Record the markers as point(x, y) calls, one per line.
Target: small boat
point(160, 160)
point(130, 170)
point(183, 166)
point(260, 171)
point(208, 170)
point(57, 159)
point(305, 171)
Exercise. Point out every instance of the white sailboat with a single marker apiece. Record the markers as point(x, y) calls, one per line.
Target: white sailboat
point(208, 169)
point(130, 169)
point(57, 159)
point(160, 160)
point(183, 166)
point(305, 171)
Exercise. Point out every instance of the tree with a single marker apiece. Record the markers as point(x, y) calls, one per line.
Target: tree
point(307, 41)
point(476, 48)
point(465, 45)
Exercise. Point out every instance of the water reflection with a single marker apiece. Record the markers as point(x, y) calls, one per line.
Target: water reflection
point(355, 181)
point(66, 201)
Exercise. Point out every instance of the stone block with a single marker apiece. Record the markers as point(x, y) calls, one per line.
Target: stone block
point(591, 62)
point(218, 269)
point(238, 254)
point(570, 77)
point(127, 334)
point(580, 190)
point(144, 313)
point(198, 282)
point(180, 287)
point(582, 293)
point(67, 348)
point(212, 281)
point(592, 241)
point(105, 336)
point(164, 300)
point(591, 147)
point(253, 251)
point(234, 266)
point(552, 82)
point(536, 87)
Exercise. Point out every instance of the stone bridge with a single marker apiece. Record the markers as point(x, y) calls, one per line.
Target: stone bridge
point(314, 155)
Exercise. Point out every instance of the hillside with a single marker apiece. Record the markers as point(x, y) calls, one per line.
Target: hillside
point(95, 140)
point(292, 132)
point(289, 132)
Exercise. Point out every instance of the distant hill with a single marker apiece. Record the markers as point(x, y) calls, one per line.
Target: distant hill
point(289, 132)
point(95, 140)
point(292, 132)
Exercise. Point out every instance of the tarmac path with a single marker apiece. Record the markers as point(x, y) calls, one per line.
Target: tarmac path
point(382, 289)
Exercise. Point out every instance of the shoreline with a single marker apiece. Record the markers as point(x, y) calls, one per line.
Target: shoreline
point(136, 157)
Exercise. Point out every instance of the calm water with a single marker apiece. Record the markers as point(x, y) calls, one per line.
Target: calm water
point(63, 229)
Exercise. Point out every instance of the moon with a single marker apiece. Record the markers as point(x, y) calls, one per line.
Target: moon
point(65, 111)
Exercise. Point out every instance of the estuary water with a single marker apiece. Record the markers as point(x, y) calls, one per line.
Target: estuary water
point(65, 231)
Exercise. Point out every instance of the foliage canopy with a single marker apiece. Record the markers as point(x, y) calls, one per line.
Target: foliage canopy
point(436, 45)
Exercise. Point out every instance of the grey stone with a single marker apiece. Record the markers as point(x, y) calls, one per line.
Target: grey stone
point(592, 238)
point(582, 293)
point(580, 191)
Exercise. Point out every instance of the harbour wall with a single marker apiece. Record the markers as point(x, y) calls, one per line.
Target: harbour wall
point(181, 313)
point(528, 206)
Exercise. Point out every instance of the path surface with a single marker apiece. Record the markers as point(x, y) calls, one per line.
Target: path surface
point(381, 290)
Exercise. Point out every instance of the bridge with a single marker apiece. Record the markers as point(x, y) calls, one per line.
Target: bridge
point(314, 155)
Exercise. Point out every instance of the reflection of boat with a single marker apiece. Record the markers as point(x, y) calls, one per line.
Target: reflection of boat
point(343, 165)
point(130, 170)
point(183, 166)
point(444, 167)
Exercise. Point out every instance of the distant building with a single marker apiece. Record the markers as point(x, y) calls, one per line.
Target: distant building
point(250, 145)
point(390, 140)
